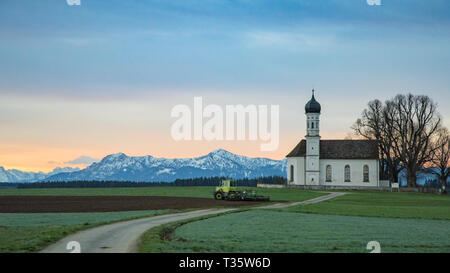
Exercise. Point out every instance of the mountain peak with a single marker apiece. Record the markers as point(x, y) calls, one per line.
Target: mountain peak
point(220, 151)
point(115, 156)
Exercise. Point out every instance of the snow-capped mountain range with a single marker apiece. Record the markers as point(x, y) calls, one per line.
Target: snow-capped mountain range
point(120, 167)
point(14, 176)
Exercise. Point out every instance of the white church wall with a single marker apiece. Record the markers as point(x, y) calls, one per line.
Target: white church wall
point(299, 170)
point(356, 172)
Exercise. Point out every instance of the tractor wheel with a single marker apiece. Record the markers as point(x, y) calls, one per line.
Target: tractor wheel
point(218, 195)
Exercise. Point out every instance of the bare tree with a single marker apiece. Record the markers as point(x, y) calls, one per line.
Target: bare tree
point(372, 125)
point(404, 128)
point(414, 122)
point(441, 157)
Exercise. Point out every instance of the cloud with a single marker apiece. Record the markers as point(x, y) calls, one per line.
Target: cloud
point(82, 160)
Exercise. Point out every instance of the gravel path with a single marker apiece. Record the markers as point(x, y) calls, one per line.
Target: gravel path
point(121, 237)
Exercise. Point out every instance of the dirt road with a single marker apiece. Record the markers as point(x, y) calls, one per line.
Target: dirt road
point(121, 237)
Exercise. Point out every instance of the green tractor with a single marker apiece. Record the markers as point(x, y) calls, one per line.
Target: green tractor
point(228, 190)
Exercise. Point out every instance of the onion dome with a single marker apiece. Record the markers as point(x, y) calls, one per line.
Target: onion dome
point(312, 106)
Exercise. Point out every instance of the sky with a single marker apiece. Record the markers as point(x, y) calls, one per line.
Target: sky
point(80, 82)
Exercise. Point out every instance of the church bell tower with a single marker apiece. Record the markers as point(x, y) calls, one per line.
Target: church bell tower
point(312, 111)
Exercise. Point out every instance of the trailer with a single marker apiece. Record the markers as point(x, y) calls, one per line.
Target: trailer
point(228, 190)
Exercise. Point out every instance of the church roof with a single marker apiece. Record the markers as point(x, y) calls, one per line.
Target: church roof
point(341, 149)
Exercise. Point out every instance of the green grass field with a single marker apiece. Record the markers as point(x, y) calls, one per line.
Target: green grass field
point(383, 204)
point(30, 232)
point(275, 231)
point(206, 192)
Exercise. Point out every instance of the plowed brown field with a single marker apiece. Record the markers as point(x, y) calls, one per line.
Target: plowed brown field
point(36, 204)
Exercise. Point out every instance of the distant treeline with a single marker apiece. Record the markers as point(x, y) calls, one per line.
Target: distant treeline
point(5, 185)
point(201, 181)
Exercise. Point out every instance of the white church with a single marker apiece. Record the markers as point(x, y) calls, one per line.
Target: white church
point(331, 163)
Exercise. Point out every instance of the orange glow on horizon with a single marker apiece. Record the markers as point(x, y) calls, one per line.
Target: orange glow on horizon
point(37, 158)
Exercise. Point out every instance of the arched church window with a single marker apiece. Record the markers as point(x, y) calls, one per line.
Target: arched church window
point(366, 173)
point(347, 173)
point(292, 174)
point(328, 173)
point(312, 125)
